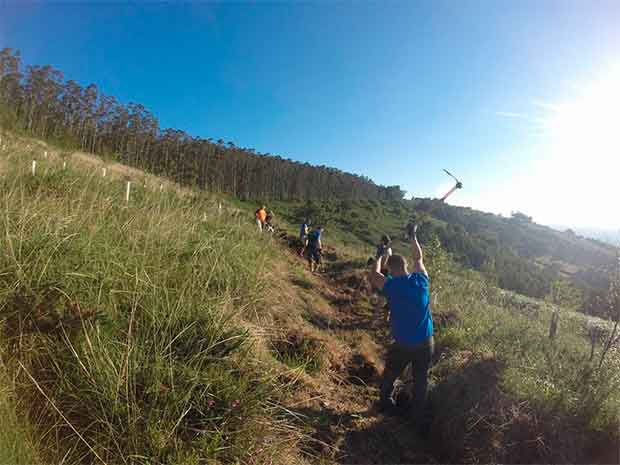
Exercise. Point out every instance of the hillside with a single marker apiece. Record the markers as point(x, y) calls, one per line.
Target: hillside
point(512, 253)
point(166, 330)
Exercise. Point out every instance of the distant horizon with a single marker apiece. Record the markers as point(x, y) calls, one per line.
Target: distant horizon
point(518, 99)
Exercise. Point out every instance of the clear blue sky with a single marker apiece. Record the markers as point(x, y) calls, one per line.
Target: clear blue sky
point(392, 90)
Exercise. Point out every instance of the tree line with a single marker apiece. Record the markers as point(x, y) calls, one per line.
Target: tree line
point(39, 101)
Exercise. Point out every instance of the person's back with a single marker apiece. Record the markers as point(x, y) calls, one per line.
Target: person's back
point(314, 248)
point(261, 217)
point(410, 314)
point(314, 239)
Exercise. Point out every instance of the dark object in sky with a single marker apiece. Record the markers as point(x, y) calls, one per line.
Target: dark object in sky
point(458, 185)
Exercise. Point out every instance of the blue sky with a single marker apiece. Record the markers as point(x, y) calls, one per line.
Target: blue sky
point(392, 90)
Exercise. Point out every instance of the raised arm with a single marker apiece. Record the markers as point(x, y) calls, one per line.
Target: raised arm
point(418, 262)
point(376, 278)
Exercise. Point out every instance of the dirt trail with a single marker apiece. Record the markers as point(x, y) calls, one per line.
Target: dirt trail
point(475, 421)
point(345, 423)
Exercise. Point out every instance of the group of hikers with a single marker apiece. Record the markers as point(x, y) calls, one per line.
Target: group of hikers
point(408, 304)
point(310, 239)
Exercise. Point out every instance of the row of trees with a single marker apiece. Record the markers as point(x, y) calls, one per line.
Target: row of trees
point(39, 101)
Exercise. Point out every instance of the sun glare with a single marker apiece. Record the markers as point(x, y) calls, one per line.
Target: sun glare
point(582, 161)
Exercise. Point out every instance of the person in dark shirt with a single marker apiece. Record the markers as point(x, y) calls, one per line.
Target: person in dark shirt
point(412, 326)
point(384, 251)
point(315, 248)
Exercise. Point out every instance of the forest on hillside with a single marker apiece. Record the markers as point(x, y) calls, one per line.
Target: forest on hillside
point(39, 101)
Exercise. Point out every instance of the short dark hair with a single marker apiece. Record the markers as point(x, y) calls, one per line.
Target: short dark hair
point(397, 262)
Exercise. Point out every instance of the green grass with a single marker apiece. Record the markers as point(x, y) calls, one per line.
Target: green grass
point(16, 444)
point(124, 322)
point(125, 335)
point(522, 384)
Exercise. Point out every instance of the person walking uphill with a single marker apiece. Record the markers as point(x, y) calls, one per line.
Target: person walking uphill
point(315, 248)
point(384, 252)
point(261, 217)
point(412, 327)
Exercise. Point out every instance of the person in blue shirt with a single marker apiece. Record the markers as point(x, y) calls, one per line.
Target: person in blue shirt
point(412, 325)
point(315, 248)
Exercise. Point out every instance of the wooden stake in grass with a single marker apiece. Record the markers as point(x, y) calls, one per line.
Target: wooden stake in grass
point(103, 172)
point(127, 191)
point(34, 167)
point(161, 187)
point(553, 326)
point(45, 154)
point(64, 165)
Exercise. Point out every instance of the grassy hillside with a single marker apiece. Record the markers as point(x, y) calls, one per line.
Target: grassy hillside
point(122, 322)
point(516, 255)
point(165, 330)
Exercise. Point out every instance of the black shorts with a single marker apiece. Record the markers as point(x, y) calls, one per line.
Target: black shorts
point(314, 255)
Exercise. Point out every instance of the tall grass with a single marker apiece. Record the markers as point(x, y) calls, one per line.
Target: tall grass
point(527, 398)
point(123, 321)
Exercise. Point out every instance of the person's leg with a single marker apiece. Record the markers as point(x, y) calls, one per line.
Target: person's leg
point(316, 259)
point(396, 360)
point(259, 225)
point(422, 358)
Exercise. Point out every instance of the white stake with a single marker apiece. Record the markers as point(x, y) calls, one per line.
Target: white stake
point(64, 165)
point(104, 170)
point(161, 187)
point(34, 167)
point(204, 217)
point(219, 207)
point(45, 154)
point(128, 190)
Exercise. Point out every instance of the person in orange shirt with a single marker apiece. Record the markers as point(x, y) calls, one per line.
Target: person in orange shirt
point(261, 217)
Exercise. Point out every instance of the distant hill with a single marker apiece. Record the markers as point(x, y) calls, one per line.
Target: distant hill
point(610, 236)
point(525, 256)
